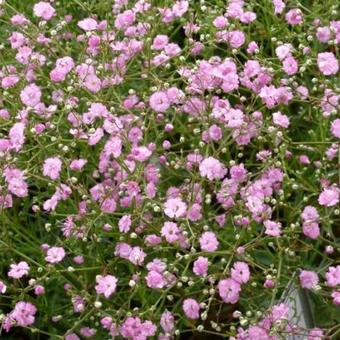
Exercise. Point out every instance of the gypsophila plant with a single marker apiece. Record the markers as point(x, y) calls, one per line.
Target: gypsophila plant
point(169, 168)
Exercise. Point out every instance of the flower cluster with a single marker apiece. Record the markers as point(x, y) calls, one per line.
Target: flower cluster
point(169, 168)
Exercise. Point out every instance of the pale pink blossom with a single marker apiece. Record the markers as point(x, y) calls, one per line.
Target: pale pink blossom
point(106, 285)
point(19, 270)
point(44, 10)
point(52, 167)
point(55, 254)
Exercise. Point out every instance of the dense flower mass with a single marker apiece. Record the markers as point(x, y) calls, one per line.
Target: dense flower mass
point(169, 169)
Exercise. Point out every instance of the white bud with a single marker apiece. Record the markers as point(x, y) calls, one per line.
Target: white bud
point(200, 328)
point(32, 282)
point(244, 322)
point(97, 304)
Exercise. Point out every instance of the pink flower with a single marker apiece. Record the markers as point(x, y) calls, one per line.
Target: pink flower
point(240, 272)
point(315, 334)
point(134, 328)
point(180, 7)
point(78, 164)
point(57, 75)
point(87, 332)
point(51, 203)
point(336, 297)
point(108, 205)
point(39, 290)
point(252, 68)
point(16, 136)
point(294, 16)
point(258, 333)
point(335, 128)
point(201, 266)
point(327, 63)
point(215, 132)
point(279, 6)
point(30, 95)
point(152, 240)
point(65, 64)
point(268, 284)
point(170, 231)
point(9, 81)
point(16, 182)
point(160, 59)
point(323, 34)
point(156, 265)
point(3, 288)
point(175, 207)
point(247, 17)
point(19, 270)
point(23, 55)
point(137, 256)
point(280, 311)
point(159, 101)
point(122, 250)
point(311, 230)
point(333, 276)
point(220, 22)
point(252, 47)
point(172, 50)
point(44, 10)
point(308, 279)
point(212, 169)
point(310, 214)
point(272, 228)
point(106, 322)
point(329, 197)
point(93, 83)
point(79, 259)
point(230, 83)
point(302, 91)
point(304, 159)
point(194, 212)
point(88, 24)
point(23, 313)
point(155, 280)
point(4, 114)
point(238, 173)
point(229, 290)
point(208, 242)
point(125, 19)
point(280, 119)
point(52, 167)
point(113, 147)
point(141, 153)
point(236, 38)
point(135, 135)
point(234, 118)
point(159, 42)
point(19, 20)
point(191, 309)
point(55, 254)
point(124, 223)
point(290, 66)
point(106, 285)
point(167, 322)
